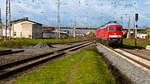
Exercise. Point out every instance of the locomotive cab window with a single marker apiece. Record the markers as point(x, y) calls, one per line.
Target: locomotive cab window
point(111, 28)
point(118, 29)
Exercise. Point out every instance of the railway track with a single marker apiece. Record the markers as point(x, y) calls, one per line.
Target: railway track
point(68, 42)
point(32, 52)
point(135, 67)
point(10, 51)
point(142, 61)
point(139, 52)
point(7, 52)
point(10, 69)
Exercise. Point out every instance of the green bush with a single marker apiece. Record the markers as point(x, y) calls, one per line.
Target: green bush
point(140, 42)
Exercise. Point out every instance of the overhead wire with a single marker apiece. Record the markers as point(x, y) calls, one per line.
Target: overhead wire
point(118, 7)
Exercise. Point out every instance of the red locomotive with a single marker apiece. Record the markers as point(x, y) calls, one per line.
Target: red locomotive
point(110, 33)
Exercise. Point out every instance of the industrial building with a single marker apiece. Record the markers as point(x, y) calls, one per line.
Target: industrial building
point(23, 28)
point(51, 32)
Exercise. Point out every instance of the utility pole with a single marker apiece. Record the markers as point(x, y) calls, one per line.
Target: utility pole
point(7, 26)
point(74, 28)
point(58, 18)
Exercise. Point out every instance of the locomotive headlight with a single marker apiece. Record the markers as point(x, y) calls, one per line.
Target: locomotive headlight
point(114, 35)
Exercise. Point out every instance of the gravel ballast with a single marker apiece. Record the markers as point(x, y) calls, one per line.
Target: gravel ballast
point(133, 71)
point(41, 45)
point(34, 51)
point(143, 53)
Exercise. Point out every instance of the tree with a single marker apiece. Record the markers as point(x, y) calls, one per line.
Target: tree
point(91, 35)
point(148, 33)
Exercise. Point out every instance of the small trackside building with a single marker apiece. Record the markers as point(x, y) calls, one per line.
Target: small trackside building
point(24, 28)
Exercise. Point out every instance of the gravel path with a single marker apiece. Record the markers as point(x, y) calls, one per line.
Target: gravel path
point(73, 72)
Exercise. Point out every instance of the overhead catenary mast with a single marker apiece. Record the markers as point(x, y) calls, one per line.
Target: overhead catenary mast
point(128, 36)
point(74, 28)
point(58, 18)
point(56, 34)
point(1, 33)
point(121, 18)
point(0, 17)
point(7, 26)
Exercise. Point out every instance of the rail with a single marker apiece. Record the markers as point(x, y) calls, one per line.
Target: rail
point(13, 68)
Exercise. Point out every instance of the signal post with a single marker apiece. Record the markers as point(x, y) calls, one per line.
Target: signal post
point(136, 25)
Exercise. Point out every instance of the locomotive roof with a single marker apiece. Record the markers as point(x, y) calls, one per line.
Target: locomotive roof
point(108, 24)
point(112, 24)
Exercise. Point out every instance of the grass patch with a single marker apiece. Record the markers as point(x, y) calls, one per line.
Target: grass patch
point(140, 42)
point(21, 43)
point(53, 73)
point(1, 48)
point(91, 70)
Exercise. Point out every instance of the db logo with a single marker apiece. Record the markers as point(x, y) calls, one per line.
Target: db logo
point(115, 34)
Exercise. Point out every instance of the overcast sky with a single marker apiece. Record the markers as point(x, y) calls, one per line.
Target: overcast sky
point(87, 12)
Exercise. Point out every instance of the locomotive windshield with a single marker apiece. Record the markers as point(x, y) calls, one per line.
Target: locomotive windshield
point(118, 28)
point(111, 28)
